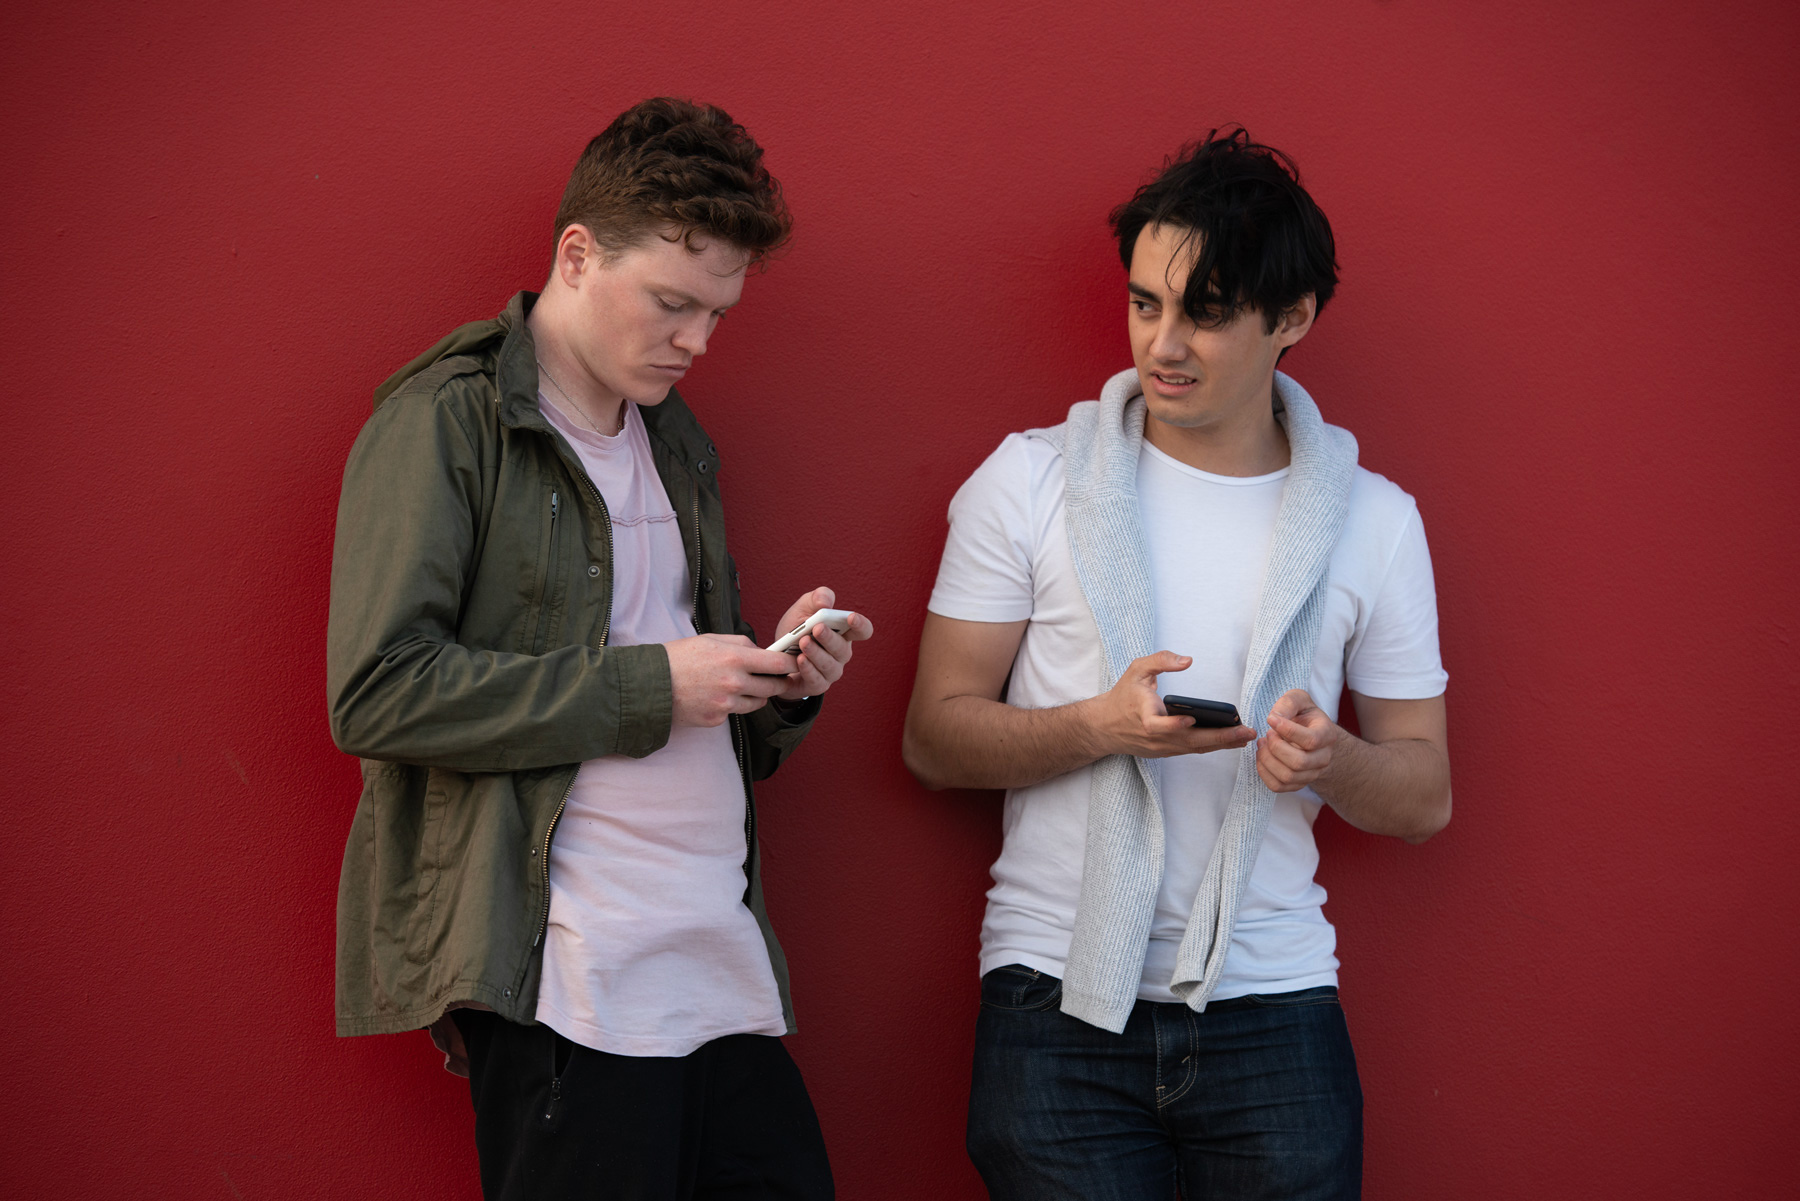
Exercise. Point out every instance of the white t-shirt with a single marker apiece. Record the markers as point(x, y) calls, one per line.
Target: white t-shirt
point(1208, 538)
point(650, 949)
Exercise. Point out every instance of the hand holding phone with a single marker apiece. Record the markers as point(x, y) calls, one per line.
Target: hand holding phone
point(836, 620)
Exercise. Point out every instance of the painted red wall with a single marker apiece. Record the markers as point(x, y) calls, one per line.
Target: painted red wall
point(1568, 251)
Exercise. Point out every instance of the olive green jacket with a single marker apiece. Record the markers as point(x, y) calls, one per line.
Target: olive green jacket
point(468, 667)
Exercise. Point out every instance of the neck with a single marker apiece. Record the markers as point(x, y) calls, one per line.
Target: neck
point(570, 383)
point(1244, 443)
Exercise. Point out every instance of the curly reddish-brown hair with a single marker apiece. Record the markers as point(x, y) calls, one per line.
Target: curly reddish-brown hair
point(666, 162)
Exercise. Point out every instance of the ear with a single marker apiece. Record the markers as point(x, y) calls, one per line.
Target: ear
point(1296, 321)
point(577, 254)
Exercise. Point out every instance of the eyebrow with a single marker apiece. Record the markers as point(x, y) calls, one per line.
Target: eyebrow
point(1137, 289)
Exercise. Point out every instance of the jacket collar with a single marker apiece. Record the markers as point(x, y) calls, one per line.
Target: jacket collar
point(515, 368)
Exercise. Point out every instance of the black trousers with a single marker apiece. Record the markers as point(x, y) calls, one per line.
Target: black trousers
point(556, 1120)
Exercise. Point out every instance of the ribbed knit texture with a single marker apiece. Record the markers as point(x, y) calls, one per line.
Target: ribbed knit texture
point(1123, 865)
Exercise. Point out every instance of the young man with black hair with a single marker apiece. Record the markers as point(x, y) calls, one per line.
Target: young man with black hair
point(537, 650)
point(1159, 990)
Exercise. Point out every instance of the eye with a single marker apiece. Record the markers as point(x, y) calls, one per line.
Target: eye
point(667, 307)
point(1142, 306)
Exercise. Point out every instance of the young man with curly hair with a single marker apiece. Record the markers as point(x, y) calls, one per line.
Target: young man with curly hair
point(536, 649)
point(1159, 1007)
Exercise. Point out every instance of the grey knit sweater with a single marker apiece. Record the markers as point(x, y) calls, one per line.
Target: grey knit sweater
point(1123, 867)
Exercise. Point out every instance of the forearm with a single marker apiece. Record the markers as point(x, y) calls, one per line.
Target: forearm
point(973, 742)
point(1399, 787)
point(775, 730)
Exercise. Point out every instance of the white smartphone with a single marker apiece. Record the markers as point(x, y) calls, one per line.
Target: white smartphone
point(837, 620)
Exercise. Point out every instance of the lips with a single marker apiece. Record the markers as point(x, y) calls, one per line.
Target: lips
point(1172, 381)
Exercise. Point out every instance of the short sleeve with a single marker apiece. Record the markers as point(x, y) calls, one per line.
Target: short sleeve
point(1395, 654)
point(985, 574)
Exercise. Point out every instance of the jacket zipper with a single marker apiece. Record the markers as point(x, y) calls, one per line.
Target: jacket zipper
point(605, 630)
point(737, 741)
point(548, 586)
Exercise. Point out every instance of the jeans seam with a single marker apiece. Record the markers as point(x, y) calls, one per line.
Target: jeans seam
point(1187, 1080)
point(1157, 1052)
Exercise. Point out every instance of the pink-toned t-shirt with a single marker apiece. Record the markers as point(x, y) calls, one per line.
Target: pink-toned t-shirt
point(650, 949)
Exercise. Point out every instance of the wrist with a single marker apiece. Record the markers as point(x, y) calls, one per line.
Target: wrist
point(1088, 730)
point(1339, 744)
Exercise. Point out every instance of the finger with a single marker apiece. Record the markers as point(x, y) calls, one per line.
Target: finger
point(828, 640)
point(1294, 758)
point(1307, 738)
point(821, 662)
point(1279, 776)
point(1290, 703)
point(1162, 725)
point(1151, 666)
point(1279, 751)
point(747, 703)
point(763, 686)
point(810, 680)
point(1271, 780)
point(1221, 740)
point(754, 659)
point(861, 628)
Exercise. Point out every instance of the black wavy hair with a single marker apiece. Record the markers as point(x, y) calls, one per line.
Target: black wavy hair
point(1258, 240)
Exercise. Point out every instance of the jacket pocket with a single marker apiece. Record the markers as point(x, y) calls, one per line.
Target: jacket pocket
point(430, 865)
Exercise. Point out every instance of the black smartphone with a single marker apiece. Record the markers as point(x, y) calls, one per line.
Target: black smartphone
point(1208, 715)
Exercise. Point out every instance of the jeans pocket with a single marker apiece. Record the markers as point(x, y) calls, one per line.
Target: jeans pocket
point(1017, 987)
point(1323, 995)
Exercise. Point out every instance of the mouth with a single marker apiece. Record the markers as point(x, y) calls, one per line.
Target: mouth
point(670, 368)
point(1172, 383)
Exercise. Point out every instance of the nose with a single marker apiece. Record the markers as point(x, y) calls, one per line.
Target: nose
point(1170, 343)
point(690, 336)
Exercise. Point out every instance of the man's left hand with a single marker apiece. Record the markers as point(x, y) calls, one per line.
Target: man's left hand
point(823, 651)
point(1297, 749)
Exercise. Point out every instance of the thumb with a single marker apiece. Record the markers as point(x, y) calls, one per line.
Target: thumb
point(1153, 665)
point(824, 598)
point(1290, 704)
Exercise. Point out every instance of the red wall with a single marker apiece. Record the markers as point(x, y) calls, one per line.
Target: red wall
point(1568, 251)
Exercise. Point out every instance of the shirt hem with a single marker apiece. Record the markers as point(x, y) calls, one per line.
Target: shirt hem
point(649, 1047)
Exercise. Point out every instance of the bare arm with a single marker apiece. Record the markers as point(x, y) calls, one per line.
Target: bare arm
point(959, 734)
point(1394, 780)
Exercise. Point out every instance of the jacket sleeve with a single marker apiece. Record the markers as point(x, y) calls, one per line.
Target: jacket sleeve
point(401, 687)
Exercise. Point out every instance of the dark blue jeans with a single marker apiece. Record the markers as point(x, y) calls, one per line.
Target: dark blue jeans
point(1255, 1098)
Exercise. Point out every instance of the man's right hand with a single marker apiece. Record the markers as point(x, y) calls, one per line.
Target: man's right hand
point(1129, 718)
point(716, 675)
point(960, 734)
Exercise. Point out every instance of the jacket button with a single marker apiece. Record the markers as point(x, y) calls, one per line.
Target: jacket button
point(506, 993)
point(593, 570)
point(712, 450)
point(706, 583)
point(703, 467)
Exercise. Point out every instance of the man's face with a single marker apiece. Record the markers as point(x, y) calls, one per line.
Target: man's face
point(641, 317)
point(1197, 377)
